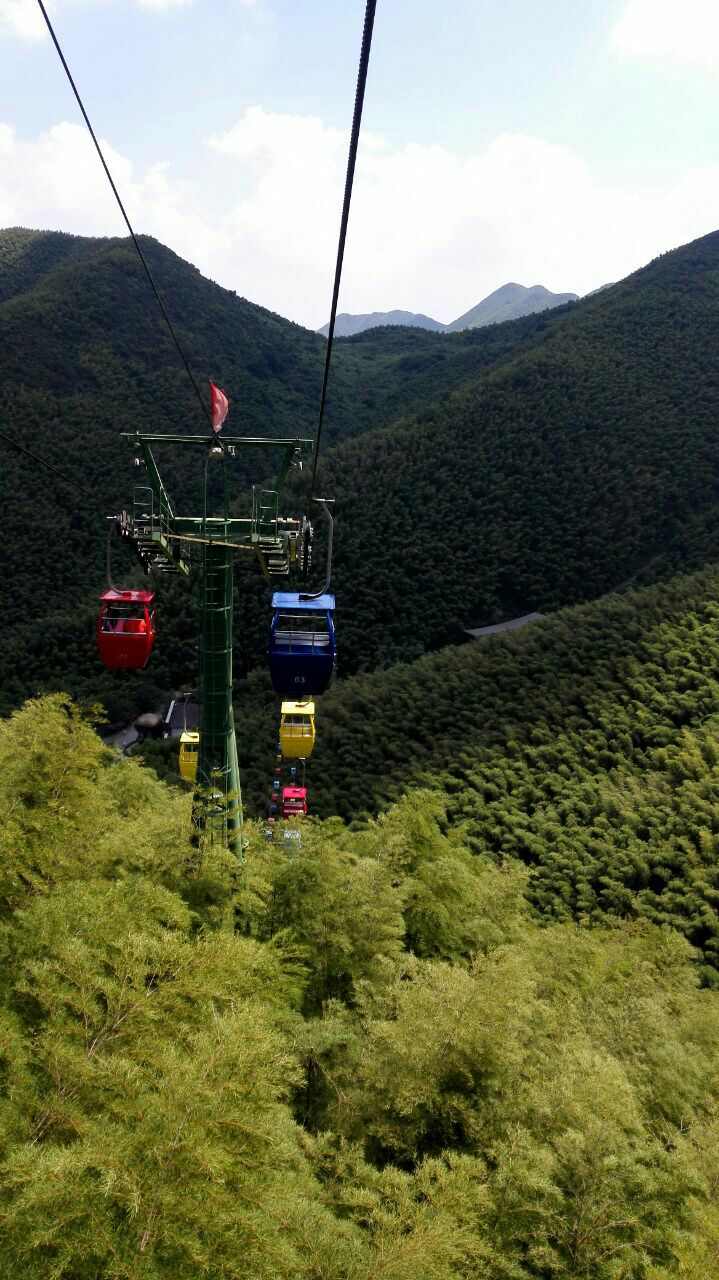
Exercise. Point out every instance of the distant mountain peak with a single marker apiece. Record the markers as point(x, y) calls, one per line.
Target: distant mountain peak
point(508, 302)
point(346, 324)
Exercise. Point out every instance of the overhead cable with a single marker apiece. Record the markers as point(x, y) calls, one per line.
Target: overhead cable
point(354, 141)
point(128, 224)
point(49, 467)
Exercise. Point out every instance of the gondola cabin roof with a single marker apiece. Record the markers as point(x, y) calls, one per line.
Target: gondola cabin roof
point(291, 600)
point(127, 597)
point(298, 709)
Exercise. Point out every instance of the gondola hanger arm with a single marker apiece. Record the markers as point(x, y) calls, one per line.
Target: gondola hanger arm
point(315, 595)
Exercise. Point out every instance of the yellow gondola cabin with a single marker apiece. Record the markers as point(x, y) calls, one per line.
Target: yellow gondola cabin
point(189, 751)
point(297, 729)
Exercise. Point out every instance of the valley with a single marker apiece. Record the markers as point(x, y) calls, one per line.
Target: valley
point(488, 971)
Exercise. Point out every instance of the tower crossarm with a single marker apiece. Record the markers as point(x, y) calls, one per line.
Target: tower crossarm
point(296, 443)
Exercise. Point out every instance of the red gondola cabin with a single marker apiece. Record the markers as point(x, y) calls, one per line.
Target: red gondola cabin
point(126, 629)
point(294, 802)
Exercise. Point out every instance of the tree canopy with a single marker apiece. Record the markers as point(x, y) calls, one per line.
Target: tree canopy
point(369, 1060)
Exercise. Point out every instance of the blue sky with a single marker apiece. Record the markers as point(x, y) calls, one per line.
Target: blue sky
point(547, 141)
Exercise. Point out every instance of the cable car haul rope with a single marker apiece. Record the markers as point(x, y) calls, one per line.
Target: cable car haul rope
point(301, 650)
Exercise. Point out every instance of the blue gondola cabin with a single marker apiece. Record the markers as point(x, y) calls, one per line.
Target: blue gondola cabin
point(126, 629)
point(301, 650)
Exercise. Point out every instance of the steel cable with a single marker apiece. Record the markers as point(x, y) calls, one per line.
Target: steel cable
point(354, 141)
point(49, 467)
point(128, 224)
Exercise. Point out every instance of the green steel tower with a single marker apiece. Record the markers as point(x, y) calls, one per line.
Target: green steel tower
point(171, 543)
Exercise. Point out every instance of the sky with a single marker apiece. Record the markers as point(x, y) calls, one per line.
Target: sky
point(554, 142)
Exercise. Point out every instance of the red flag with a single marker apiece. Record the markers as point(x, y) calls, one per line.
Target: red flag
point(220, 405)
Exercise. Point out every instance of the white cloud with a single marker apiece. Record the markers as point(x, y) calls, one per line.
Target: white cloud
point(56, 182)
point(23, 18)
point(429, 231)
point(684, 31)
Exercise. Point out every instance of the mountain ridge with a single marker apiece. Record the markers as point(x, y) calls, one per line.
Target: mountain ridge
point(510, 468)
point(106, 364)
point(510, 302)
point(347, 325)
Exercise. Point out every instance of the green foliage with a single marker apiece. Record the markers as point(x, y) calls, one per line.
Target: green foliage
point(355, 902)
point(339, 907)
point(452, 906)
point(584, 746)
point(156, 1104)
point(555, 1096)
point(61, 791)
point(143, 1062)
point(386, 1069)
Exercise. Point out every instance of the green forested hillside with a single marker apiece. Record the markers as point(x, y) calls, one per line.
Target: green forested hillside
point(549, 481)
point(86, 355)
point(584, 745)
point(386, 1069)
point(92, 295)
point(28, 257)
point(535, 463)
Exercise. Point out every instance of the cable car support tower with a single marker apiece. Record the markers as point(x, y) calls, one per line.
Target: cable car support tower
point(167, 542)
